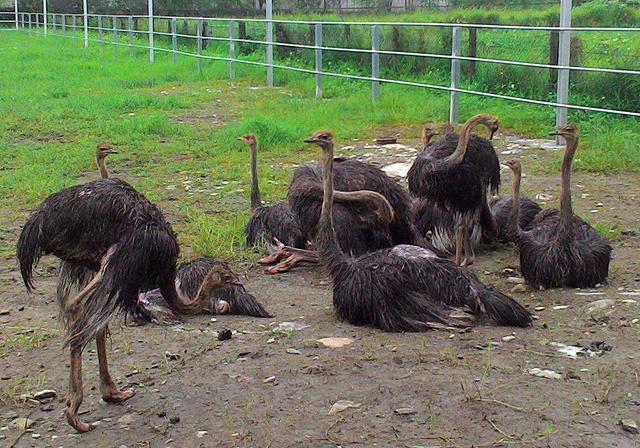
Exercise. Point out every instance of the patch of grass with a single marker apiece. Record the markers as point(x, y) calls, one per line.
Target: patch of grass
point(25, 341)
point(16, 387)
point(607, 231)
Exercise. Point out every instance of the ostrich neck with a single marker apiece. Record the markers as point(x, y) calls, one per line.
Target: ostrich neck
point(330, 252)
point(463, 141)
point(255, 188)
point(103, 169)
point(566, 210)
point(514, 218)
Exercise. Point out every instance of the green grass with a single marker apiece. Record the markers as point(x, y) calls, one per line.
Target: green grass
point(177, 130)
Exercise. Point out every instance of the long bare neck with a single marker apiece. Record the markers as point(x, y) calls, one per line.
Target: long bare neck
point(330, 252)
point(255, 188)
point(566, 209)
point(514, 217)
point(463, 140)
point(102, 167)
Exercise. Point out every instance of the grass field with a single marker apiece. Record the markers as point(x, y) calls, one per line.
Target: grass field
point(176, 128)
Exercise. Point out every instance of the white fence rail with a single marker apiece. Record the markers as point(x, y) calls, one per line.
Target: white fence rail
point(96, 28)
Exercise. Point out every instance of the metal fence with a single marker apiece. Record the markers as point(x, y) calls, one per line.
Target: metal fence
point(143, 31)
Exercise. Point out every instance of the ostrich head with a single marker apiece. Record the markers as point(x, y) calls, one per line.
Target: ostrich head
point(490, 121)
point(219, 279)
point(103, 150)
point(249, 139)
point(323, 139)
point(569, 132)
point(428, 132)
point(514, 165)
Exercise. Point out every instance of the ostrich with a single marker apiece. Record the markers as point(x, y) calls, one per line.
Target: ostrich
point(501, 211)
point(267, 223)
point(560, 249)
point(103, 150)
point(207, 286)
point(105, 227)
point(455, 175)
point(403, 288)
point(429, 131)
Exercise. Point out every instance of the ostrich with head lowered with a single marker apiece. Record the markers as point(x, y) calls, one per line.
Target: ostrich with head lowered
point(402, 288)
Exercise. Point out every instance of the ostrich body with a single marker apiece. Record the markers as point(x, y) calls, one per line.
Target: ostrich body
point(207, 286)
point(266, 223)
point(501, 211)
point(560, 249)
point(108, 228)
point(403, 288)
point(455, 174)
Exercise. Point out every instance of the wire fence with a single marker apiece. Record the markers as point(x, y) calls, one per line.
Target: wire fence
point(310, 47)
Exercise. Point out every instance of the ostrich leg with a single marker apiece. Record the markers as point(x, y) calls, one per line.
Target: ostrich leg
point(109, 390)
point(296, 257)
point(469, 254)
point(459, 238)
point(74, 399)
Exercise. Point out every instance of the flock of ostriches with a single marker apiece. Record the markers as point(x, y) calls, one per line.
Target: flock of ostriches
point(386, 249)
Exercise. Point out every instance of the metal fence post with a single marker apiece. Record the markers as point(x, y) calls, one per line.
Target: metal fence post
point(115, 31)
point(564, 59)
point(100, 30)
point(130, 27)
point(232, 49)
point(174, 38)
point(269, 7)
point(85, 23)
point(15, 10)
point(64, 24)
point(44, 15)
point(375, 62)
point(29, 24)
point(454, 105)
point(151, 52)
point(319, 86)
point(74, 24)
point(199, 39)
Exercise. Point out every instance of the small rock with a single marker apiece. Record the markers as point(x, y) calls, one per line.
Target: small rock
point(44, 394)
point(35, 435)
point(22, 424)
point(519, 288)
point(201, 434)
point(224, 335)
point(516, 280)
point(599, 305)
point(271, 379)
point(271, 341)
point(560, 307)
point(539, 308)
point(343, 405)
point(174, 420)
point(550, 374)
point(405, 411)
point(335, 342)
point(5, 312)
point(508, 338)
point(46, 407)
point(629, 425)
point(293, 351)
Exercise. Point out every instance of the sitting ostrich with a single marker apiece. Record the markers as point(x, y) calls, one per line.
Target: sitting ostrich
point(403, 288)
point(455, 174)
point(560, 249)
point(501, 210)
point(276, 221)
point(105, 227)
point(206, 286)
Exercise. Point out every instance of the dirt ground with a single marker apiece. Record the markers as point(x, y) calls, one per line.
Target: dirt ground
point(461, 389)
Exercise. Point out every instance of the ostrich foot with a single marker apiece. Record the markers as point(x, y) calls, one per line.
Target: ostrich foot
point(111, 394)
point(293, 260)
point(278, 254)
point(74, 420)
point(468, 261)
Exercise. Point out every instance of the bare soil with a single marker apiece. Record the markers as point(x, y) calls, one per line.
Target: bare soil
point(464, 389)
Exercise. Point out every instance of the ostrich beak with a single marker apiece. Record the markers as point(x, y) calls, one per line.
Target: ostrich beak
point(112, 151)
point(554, 133)
point(240, 139)
point(310, 140)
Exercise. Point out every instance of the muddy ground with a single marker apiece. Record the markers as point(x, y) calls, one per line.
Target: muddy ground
point(462, 389)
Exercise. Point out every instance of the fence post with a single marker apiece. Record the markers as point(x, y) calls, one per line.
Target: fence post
point(115, 31)
point(29, 24)
point(15, 10)
point(232, 49)
point(200, 25)
point(85, 22)
point(151, 52)
point(454, 106)
point(64, 24)
point(473, 52)
point(375, 62)
point(318, 36)
point(269, 43)
point(74, 24)
point(44, 16)
point(564, 59)
point(174, 38)
point(130, 27)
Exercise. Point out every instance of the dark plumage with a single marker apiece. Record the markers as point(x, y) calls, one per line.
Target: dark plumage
point(206, 286)
point(275, 221)
point(456, 174)
point(560, 249)
point(501, 210)
point(404, 288)
point(105, 230)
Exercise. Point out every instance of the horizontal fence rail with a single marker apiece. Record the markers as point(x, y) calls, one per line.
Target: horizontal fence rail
point(138, 31)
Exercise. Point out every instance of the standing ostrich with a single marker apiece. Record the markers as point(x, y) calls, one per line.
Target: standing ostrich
point(267, 223)
point(455, 174)
point(560, 249)
point(207, 286)
point(403, 288)
point(107, 227)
